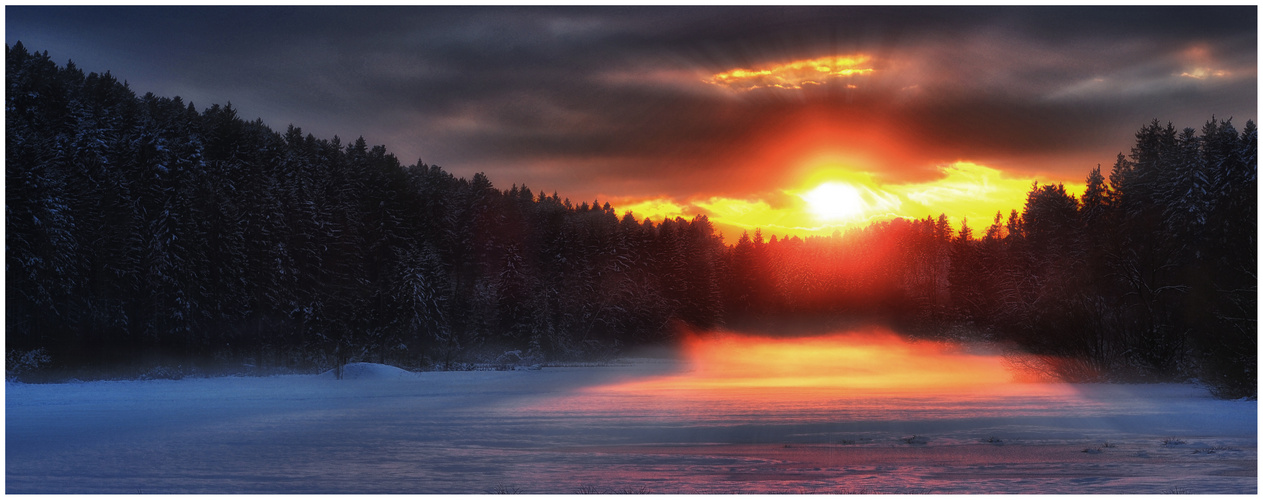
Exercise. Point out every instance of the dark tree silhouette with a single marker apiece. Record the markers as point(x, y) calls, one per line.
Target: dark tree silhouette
point(141, 232)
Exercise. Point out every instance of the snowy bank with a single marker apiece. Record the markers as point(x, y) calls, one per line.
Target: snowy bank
point(370, 371)
point(567, 430)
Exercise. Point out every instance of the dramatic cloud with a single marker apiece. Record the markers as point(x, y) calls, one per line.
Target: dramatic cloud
point(727, 111)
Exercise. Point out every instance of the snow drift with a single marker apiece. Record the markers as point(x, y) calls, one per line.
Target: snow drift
point(370, 371)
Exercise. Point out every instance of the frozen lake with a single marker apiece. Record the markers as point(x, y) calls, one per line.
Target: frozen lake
point(626, 428)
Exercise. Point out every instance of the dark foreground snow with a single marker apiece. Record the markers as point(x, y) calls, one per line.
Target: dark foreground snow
point(560, 430)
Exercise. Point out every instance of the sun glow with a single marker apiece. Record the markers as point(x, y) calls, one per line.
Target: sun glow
point(653, 208)
point(834, 201)
point(838, 193)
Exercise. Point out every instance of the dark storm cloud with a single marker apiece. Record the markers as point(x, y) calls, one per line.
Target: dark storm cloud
point(564, 97)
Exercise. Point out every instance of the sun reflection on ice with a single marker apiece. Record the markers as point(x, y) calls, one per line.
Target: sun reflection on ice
point(872, 360)
point(870, 374)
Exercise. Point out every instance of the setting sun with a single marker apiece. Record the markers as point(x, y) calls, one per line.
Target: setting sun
point(545, 250)
point(835, 201)
point(836, 195)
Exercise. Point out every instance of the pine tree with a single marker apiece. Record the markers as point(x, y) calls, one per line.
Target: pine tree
point(40, 227)
point(964, 273)
point(1095, 197)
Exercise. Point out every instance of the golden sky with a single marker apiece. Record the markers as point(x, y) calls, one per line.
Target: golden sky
point(835, 197)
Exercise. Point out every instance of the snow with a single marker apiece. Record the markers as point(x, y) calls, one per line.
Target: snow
point(579, 429)
point(371, 371)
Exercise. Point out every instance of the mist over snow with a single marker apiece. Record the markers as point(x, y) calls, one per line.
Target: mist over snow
point(572, 430)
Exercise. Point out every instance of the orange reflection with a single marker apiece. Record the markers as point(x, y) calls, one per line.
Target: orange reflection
point(872, 360)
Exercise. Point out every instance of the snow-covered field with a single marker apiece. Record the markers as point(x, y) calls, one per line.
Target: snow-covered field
point(568, 430)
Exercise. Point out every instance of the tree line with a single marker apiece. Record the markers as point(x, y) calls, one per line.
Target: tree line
point(141, 230)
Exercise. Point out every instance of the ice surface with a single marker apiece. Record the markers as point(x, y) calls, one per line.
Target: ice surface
point(567, 430)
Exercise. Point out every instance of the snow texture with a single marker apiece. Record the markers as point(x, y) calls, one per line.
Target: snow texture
point(562, 430)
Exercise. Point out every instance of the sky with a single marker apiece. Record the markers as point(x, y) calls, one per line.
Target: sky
point(797, 120)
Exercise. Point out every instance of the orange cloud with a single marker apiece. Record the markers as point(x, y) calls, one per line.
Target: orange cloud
point(1204, 73)
point(793, 75)
point(1202, 62)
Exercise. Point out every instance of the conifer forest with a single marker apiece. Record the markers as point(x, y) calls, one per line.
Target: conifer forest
point(145, 231)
